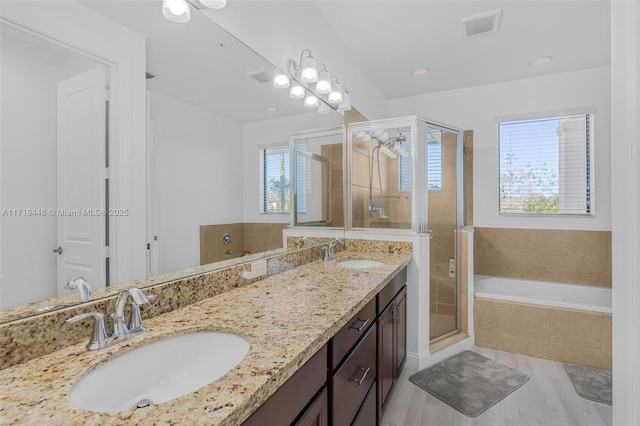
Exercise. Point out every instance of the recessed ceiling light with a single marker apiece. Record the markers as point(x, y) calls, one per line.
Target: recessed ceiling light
point(543, 60)
point(419, 72)
point(271, 109)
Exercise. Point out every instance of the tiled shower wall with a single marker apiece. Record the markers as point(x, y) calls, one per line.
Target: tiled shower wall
point(334, 195)
point(251, 237)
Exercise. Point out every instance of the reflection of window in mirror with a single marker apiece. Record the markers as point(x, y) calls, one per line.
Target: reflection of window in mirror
point(275, 195)
point(434, 162)
point(275, 182)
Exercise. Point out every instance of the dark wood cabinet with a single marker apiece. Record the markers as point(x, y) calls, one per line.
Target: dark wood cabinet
point(352, 381)
point(392, 346)
point(286, 404)
point(318, 413)
point(348, 382)
point(400, 325)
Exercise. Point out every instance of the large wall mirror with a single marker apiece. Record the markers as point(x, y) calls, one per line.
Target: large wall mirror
point(211, 112)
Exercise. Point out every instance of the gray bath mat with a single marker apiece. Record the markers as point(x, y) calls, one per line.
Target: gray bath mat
point(590, 383)
point(469, 382)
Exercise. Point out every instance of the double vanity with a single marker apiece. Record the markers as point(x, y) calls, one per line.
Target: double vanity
point(324, 340)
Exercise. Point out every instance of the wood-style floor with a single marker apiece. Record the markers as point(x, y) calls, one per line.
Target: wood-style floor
point(548, 399)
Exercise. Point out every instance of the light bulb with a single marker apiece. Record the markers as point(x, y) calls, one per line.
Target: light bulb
point(335, 97)
point(309, 73)
point(214, 4)
point(345, 105)
point(310, 101)
point(323, 108)
point(176, 11)
point(281, 80)
point(323, 86)
point(296, 91)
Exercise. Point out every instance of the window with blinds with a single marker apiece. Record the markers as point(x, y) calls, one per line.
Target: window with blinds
point(434, 162)
point(275, 194)
point(546, 166)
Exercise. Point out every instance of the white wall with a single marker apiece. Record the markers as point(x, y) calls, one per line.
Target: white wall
point(272, 132)
point(199, 177)
point(30, 74)
point(477, 107)
point(625, 132)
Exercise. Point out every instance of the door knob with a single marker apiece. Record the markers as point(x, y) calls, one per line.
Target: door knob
point(58, 250)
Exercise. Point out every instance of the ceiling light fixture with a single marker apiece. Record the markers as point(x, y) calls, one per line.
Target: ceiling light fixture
point(315, 84)
point(542, 60)
point(179, 11)
point(271, 109)
point(419, 72)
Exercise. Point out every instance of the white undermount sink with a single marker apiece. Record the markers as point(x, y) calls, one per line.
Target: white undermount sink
point(159, 372)
point(359, 263)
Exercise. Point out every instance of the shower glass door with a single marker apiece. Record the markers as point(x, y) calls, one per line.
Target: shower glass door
point(445, 220)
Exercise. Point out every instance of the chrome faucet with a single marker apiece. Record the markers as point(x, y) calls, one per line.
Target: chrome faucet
point(83, 287)
point(120, 328)
point(99, 337)
point(328, 251)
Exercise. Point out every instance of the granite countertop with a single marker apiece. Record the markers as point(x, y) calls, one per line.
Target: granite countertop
point(286, 318)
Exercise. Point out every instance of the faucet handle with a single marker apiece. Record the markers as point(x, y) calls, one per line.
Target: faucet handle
point(135, 325)
point(99, 338)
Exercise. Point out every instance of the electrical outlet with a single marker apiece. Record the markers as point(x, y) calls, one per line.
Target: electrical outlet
point(259, 268)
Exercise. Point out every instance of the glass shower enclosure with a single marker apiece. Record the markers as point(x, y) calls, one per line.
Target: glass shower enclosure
point(407, 175)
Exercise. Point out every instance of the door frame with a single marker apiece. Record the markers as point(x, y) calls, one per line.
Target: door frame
point(78, 28)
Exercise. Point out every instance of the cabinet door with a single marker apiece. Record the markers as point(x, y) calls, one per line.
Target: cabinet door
point(318, 413)
point(400, 323)
point(386, 347)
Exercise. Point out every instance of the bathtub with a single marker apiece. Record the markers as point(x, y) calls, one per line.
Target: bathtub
point(572, 296)
point(561, 322)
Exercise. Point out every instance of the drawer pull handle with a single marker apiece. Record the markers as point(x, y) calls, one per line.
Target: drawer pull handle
point(364, 323)
point(366, 371)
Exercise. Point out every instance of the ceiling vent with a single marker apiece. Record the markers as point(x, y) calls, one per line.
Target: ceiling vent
point(261, 76)
point(149, 76)
point(483, 23)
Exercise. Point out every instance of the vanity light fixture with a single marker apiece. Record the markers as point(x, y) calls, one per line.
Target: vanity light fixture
point(311, 101)
point(176, 11)
point(323, 85)
point(296, 91)
point(281, 80)
point(314, 83)
point(335, 96)
point(179, 11)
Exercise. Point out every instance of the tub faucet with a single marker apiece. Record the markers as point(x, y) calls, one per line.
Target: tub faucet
point(83, 287)
point(328, 251)
point(120, 328)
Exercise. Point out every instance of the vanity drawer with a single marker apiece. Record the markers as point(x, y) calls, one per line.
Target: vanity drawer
point(353, 380)
point(367, 414)
point(288, 402)
point(387, 294)
point(344, 340)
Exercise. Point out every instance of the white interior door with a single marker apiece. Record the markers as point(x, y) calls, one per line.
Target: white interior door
point(81, 219)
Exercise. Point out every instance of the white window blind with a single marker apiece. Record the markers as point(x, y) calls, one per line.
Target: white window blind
point(546, 166)
point(274, 180)
point(434, 163)
point(303, 178)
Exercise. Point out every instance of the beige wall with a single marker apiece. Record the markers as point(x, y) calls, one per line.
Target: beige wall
point(334, 195)
point(252, 237)
point(563, 335)
point(565, 256)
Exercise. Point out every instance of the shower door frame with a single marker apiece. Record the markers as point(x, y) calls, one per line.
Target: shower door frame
point(419, 127)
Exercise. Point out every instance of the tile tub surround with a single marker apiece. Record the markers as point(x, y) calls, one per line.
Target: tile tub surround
point(286, 319)
point(562, 256)
point(563, 335)
point(24, 339)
